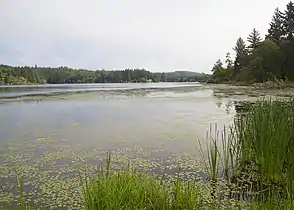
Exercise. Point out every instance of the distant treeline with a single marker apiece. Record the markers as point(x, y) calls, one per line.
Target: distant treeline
point(40, 75)
point(271, 59)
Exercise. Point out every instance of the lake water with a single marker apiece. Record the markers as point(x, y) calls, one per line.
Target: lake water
point(161, 119)
point(172, 116)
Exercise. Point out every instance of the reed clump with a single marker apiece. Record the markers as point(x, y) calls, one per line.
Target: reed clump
point(130, 189)
point(257, 153)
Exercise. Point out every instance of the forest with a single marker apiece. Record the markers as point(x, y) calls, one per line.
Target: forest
point(260, 60)
point(15, 75)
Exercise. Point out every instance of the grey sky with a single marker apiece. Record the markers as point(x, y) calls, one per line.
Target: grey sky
point(160, 35)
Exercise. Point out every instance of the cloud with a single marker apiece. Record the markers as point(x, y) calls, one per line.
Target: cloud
point(160, 35)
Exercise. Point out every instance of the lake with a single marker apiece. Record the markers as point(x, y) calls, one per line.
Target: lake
point(171, 116)
point(50, 128)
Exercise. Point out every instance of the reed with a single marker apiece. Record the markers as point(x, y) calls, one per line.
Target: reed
point(258, 151)
point(129, 189)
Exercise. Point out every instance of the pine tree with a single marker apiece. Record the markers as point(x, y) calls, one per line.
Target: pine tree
point(276, 30)
point(289, 21)
point(241, 55)
point(254, 39)
point(229, 61)
point(217, 66)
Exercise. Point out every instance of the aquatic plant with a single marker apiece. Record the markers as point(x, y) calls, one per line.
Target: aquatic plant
point(130, 189)
point(265, 136)
point(257, 153)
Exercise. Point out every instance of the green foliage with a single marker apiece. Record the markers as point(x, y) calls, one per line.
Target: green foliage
point(289, 21)
point(287, 66)
point(185, 76)
point(37, 75)
point(254, 39)
point(221, 74)
point(276, 30)
point(266, 60)
point(241, 55)
point(17, 75)
point(229, 62)
point(245, 75)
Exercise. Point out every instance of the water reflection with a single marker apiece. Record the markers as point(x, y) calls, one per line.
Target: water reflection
point(39, 90)
point(48, 139)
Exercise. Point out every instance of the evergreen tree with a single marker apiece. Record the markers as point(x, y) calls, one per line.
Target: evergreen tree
point(266, 61)
point(276, 30)
point(221, 74)
point(229, 61)
point(254, 39)
point(241, 55)
point(289, 21)
point(217, 66)
point(270, 59)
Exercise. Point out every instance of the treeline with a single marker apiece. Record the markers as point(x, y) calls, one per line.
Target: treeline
point(262, 60)
point(15, 75)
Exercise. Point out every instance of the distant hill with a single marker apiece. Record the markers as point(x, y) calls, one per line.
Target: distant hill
point(14, 75)
point(186, 76)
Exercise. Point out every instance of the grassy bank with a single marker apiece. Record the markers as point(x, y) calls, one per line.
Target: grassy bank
point(249, 165)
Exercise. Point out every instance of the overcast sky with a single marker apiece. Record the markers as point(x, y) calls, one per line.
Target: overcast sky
point(159, 35)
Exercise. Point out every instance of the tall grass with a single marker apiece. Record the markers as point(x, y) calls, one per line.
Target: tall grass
point(266, 139)
point(258, 150)
point(134, 190)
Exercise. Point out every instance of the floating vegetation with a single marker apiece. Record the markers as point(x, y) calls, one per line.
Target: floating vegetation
point(248, 165)
point(50, 170)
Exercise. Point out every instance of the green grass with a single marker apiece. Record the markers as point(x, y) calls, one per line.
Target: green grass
point(134, 190)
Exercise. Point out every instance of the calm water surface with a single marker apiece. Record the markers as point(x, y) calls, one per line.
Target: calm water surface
point(172, 116)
